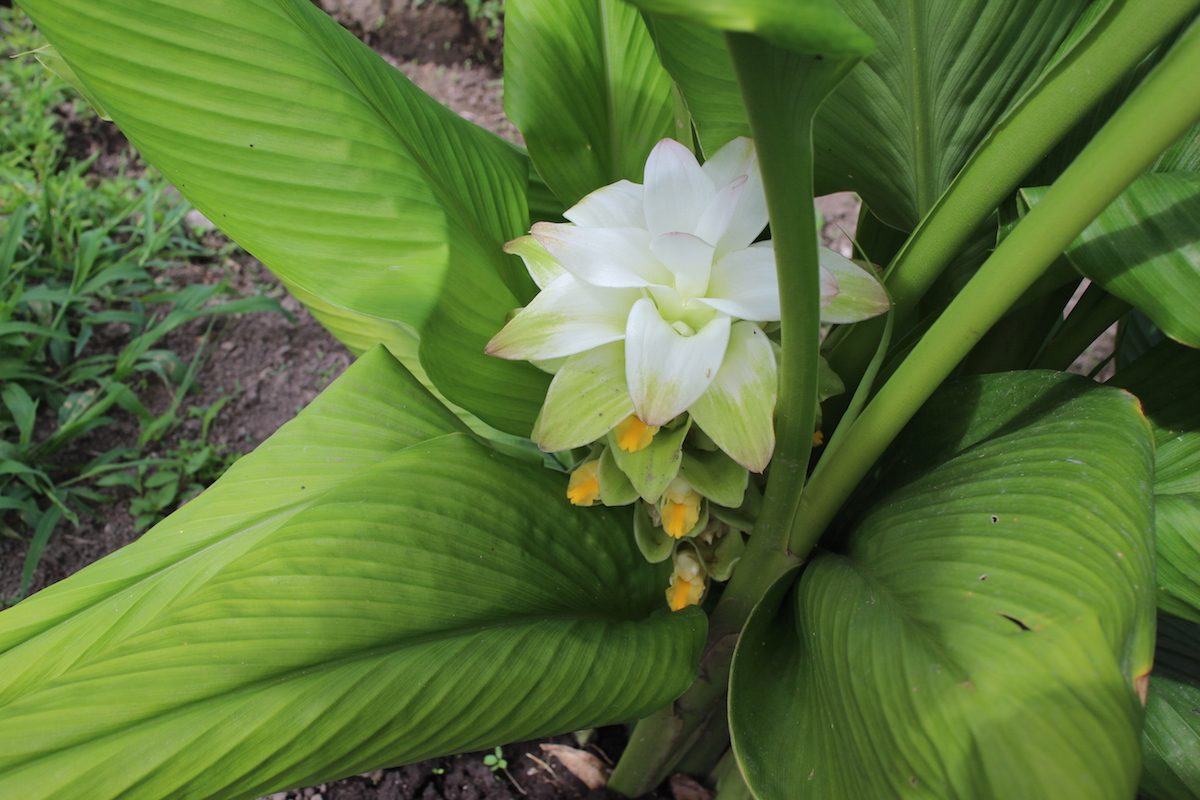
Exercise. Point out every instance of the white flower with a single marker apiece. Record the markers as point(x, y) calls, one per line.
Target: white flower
point(654, 297)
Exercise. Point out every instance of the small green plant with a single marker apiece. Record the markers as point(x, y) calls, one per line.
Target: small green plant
point(495, 760)
point(162, 483)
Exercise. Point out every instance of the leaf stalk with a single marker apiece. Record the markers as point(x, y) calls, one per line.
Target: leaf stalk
point(1158, 112)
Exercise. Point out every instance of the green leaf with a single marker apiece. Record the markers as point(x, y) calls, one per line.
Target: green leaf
point(699, 63)
point(1183, 156)
point(1177, 536)
point(390, 595)
point(808, 26)
point(42, 532)
point(904, 121)
point(1167, 381)
point(364, 195)
point(23, 409)
point(49, 58)
point(981, 632)
point(1145, 249)
point(584, 86)
point(1171, 736)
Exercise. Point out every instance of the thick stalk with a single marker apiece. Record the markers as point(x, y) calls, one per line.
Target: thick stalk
point(780, 113)
point(1159, 111)
point(1084, 75)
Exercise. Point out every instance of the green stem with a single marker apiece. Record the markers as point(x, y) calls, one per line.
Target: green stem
point(780, 113)
point(1065, 94)
point(863, 392)
point(1080, 329)
point(1159, 111)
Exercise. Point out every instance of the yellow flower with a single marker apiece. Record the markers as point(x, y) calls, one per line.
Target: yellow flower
point(584, 487)
point(679, 508)
point(686, 587)
point(633, 434)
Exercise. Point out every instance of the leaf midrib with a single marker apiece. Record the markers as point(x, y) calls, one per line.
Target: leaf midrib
point(920, 117)
point(610, 100)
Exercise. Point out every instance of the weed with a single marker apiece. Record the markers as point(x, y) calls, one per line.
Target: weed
point(495, 761)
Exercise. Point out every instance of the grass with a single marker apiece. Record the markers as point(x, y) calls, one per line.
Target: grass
point(86, 307)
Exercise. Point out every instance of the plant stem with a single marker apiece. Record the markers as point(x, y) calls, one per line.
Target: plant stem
point(1067, 92)
point(781, 92)
point(1159, 111)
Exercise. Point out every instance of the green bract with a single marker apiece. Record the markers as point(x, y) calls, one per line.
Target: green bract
point(909, 586)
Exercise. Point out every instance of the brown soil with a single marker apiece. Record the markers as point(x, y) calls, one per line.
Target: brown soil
point(530, 773)
point(841, 219)
point(432, 31)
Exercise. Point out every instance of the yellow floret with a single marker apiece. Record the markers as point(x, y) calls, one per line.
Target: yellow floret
point(687, 583)
point(584, 487)
point(633, 434)
point(680, 508)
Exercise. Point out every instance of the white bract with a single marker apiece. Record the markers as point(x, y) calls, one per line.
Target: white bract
point(651, 304)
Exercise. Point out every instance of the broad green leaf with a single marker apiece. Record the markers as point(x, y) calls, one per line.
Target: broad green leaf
point(49, 58)
point(1145, 249)
point(372, 411)
point(1177, 533)
point(352, 594)
point(583, 84)
point(699, 63)
point(808, 26)
point(1167, 382)
point(1171, 736)
point(982, 631)
point(1183, 156)
point(904, 121)
point(363, 194)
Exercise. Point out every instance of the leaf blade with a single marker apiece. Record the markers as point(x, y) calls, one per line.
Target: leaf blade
point(185, 665)
point(583, 84)
point(988, 615)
